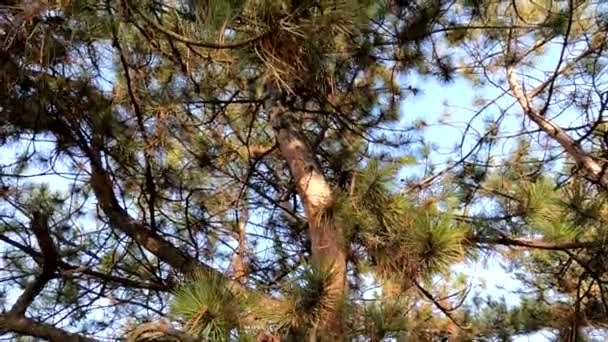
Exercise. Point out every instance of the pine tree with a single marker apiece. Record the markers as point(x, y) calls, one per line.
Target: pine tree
point(547, 196)
point(230, 172)
point(213, 107)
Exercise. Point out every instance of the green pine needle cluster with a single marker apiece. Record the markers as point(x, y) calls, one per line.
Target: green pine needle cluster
point(155, 116)
point(210, 310)
point(404, 240)
point(208, 307)
point(307, 302)
point(387, 318)
point(547, 212)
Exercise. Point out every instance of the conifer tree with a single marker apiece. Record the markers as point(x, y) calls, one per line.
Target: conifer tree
point(226, 170)
point(549, 192)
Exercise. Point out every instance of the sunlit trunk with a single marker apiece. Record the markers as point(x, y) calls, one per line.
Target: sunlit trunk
point(328, 250)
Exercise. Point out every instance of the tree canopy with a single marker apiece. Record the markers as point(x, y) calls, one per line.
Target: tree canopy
point(223, 170)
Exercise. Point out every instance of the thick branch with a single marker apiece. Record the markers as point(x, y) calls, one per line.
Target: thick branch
point(164, 250)
point(537, 244)
point(586, 162)
point(119, 218)
point(67, 270)
point(159, 330)
point(29, 327)
point(62, 126)
point(50, 262)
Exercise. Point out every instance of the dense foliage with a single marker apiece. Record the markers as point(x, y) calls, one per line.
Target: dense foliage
point(247, 169)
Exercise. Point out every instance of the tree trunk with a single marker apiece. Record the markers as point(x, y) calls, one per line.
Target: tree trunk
point(239, 270)
point(328, 249)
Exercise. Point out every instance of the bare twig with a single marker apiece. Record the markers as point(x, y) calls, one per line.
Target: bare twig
point(193, 42)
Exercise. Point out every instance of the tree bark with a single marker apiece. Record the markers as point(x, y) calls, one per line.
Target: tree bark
point(151, 241)
point(593, 168)
point(50, 263)
point(537, 244)
point(27, 326)
point(328, 248)
point(239, 269)
point(161, 330)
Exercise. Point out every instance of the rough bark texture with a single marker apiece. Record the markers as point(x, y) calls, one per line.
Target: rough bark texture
point(328, 250)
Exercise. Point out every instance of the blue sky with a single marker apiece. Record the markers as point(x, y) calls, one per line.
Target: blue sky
point(486, 277)
point(457, 99)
